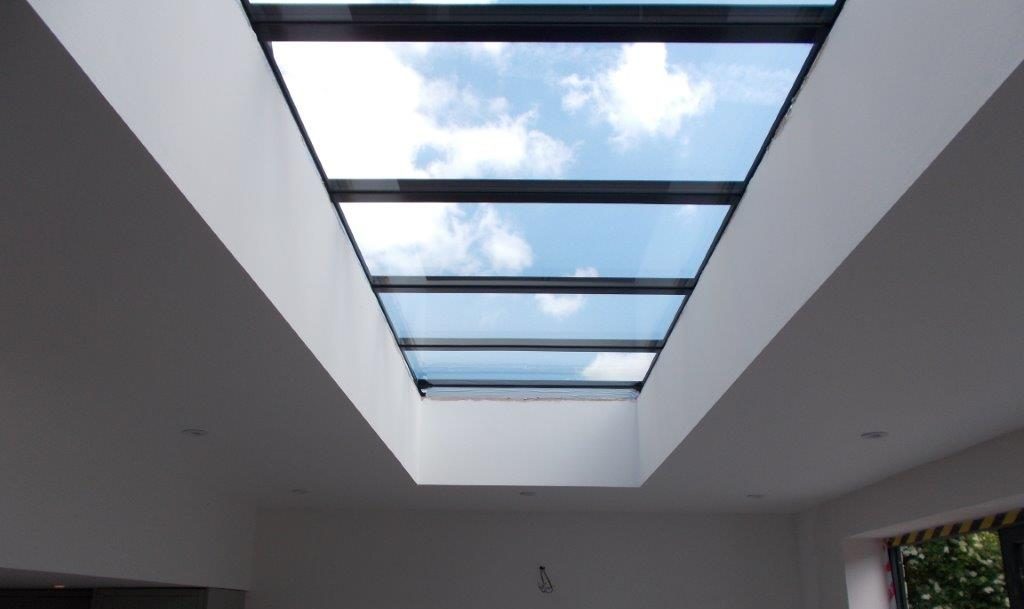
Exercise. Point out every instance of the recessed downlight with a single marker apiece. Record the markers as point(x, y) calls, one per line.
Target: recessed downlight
point(755, 496)
point(58, 586)
point(194, 432)
point(874, 435)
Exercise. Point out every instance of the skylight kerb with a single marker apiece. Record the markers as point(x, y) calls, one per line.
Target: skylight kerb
point(463, 143)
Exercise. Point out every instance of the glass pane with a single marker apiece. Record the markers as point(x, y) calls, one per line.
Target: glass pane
point(538, 316)
point(536, 393)
point(591, 240)
point(964, 572)
point(651, 111)
point(547, 366)
point(674, 2)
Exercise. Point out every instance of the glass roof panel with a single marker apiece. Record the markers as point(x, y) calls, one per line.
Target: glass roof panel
point(525, 316)
point(534, 239)
point(537, 393)
point(673, 2)
point(538, 366)
point(631, 155)
point(650, 111)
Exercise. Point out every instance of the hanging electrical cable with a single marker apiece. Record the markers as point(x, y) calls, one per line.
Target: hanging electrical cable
point(544, 582)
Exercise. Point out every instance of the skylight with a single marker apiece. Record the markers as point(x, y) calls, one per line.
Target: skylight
point(534, 239)
point(535, 189)
point(584, 111)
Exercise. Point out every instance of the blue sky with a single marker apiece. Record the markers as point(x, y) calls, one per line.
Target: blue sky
point(530, 365)
point(606, 240)
point(594, 316)
point(551, 111)
point(534, 239)
point(526, 110)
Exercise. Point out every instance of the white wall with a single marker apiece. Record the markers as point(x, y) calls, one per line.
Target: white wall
point(529, 443)
point(894, 83)
point(142, 529)
point(453, 560)
point(836, 570)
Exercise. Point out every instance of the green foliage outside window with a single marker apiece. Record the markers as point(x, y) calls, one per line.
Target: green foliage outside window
point(964, 572)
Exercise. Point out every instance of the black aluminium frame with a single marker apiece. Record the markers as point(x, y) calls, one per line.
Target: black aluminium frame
point(899, 577)
point(539, 23)
point(1011, 542)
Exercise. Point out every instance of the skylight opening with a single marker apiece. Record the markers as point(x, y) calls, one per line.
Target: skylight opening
point(520, 393)
point(581, 111)
point(544, 367)
point(534, 239)
point(539, 316)
point(534, 190)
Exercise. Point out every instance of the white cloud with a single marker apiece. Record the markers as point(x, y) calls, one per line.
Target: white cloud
point(421, 238)
point(371, 114)
point(493, 50)
point(587, 271)
point(564, 305)
point(507, 251)
point(559, 305)
point(503, 147)
point(751, 84)
point(688, 211)
point(618, 366)
point(640, 96)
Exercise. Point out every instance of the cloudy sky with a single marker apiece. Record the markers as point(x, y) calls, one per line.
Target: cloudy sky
point(552, 111)
point(530, 365)
point(525, 239)
point(534, 239)
point(522, 110)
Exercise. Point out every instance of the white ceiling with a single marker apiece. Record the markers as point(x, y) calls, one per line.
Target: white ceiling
point(126, 320)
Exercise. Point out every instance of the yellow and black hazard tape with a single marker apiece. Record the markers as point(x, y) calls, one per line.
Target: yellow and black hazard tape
point(987, 523)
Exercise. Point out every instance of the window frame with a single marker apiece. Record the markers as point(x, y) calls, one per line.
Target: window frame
point(1011, 545)
point(899, 576)
point(808, 24)
point(1011, 542)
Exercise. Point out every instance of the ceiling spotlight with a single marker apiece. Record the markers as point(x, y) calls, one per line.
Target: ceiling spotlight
point(874, 435)
point(58, 586)
point(300, 491)
point(194, 432)
point(755, 496)
point(527, 493)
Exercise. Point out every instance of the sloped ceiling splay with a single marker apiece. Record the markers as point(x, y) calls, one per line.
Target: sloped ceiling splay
point(868, 121)
point(126, 320)
point(917, 333)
